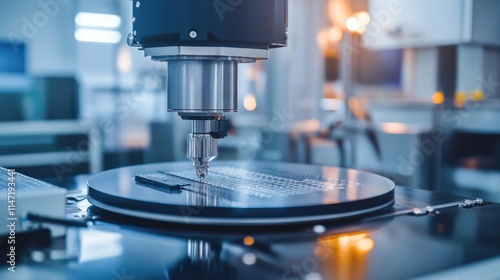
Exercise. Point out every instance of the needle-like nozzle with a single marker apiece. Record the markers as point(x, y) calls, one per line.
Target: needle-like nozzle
point(202, 148)
point(201, 170)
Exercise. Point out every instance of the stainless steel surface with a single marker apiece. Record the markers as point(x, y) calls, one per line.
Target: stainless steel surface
point(243, 193)
point(201, 126)
point(201, 149)
point(175, 52)
point(202, 86)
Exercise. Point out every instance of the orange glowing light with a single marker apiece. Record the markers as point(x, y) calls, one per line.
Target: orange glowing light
point(477, 95)
point(334, 35)
point(357, 22)
point(328, 40)
point(344, 256)
point(438, 98)
point(124, 60)
point(394, 128)
point(353, 24)
point(338, 11)
point(460, 98)
point(248, 240)
point(344, 240)
point(249, 102)
point(363, 17)
point(365, 244)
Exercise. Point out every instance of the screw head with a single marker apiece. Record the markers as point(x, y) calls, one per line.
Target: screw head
point(137, 4)
point(130, 39)
point(193, 34)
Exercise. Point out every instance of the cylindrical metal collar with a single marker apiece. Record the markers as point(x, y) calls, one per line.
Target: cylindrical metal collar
point(199, 86)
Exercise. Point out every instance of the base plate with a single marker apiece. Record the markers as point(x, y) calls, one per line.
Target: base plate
point(240, 193)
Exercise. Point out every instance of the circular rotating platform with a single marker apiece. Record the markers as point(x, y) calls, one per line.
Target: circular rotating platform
point(240, 193)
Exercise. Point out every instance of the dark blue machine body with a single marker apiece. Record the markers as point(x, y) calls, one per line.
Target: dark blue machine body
point(258, 24)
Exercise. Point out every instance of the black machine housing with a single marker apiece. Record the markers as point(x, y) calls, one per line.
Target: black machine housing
point(256, 24)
